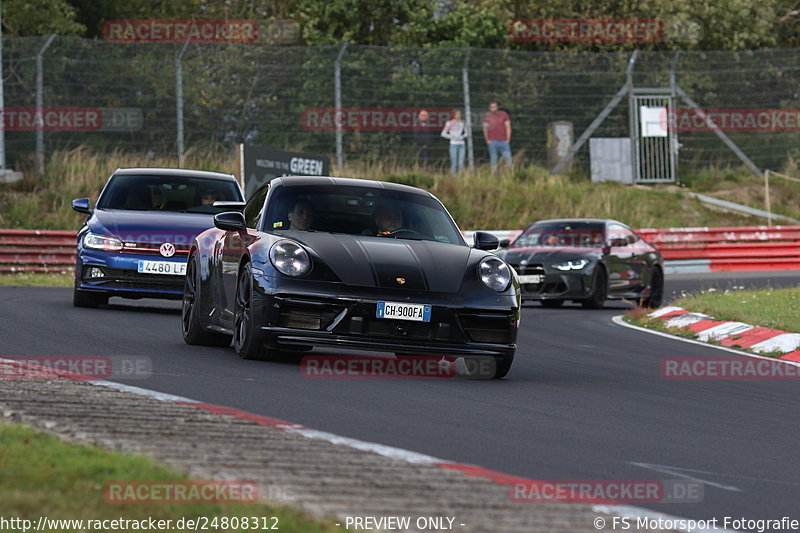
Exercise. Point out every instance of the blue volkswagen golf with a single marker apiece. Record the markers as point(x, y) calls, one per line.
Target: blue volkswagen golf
point(135, 242)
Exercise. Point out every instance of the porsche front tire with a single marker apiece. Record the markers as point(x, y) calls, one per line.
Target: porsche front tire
point(193, 331)
point(245, 342)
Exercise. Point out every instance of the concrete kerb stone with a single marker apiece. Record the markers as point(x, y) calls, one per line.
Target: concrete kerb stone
point(291, 464)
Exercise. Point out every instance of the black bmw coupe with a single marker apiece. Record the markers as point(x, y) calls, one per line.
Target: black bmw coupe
point(349, 263)
point(585, 260)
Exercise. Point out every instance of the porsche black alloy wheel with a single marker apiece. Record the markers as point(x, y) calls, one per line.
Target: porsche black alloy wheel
point(245, 343)
point(193, 331)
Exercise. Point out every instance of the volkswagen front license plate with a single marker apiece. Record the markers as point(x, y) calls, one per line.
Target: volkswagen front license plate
point(162, 267)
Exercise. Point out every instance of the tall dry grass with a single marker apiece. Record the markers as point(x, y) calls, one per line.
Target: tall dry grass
point(476, 200)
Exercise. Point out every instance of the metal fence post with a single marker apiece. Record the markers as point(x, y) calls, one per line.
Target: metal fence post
point(179, 100)
point(632, 115)
point(337, 104)
point(40, 105)
point(2, 102)
point(468, 110)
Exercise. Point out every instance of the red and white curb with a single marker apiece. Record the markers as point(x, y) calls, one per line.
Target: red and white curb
point(732, 334)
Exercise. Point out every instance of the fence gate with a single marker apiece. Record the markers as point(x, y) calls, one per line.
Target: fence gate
point(655, 142)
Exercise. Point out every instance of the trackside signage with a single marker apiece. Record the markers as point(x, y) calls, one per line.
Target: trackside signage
point(262, 164)
point(71, 119)
point(181, 31)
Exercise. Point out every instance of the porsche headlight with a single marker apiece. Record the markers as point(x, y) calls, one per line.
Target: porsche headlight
point(494, 273)
point(289, 258)
point(572, 264)
point(96, 241)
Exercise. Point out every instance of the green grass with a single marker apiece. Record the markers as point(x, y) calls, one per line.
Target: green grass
point(44, 476)
point(773, 308)
point(743, 187)
point(24, 279)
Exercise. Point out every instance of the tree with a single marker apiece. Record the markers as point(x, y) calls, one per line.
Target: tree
point(40, 17)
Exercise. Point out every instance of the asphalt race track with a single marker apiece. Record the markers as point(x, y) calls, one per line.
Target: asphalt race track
point(584, 399)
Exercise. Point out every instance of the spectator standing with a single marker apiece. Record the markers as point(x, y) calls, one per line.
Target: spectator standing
point(456, 130)
point(497, 132)
point(423, 138)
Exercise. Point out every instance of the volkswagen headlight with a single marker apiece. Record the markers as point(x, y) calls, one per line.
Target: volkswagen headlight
point(96, 241)
point(573, 264)
point(289, 258)
point(494, 273)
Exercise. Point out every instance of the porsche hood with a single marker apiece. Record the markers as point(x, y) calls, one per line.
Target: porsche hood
point(391, 263)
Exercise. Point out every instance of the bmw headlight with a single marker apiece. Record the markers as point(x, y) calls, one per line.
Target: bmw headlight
point(96, 241)
point(494, 273)
point(573, 264)
point(289, 258)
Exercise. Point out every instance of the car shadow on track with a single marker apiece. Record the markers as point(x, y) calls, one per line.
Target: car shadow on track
point(165, 307)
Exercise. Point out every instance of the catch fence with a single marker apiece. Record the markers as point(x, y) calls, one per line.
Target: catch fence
point(163, 98)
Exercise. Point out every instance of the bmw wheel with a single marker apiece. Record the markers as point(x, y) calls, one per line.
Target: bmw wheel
point(599, 290)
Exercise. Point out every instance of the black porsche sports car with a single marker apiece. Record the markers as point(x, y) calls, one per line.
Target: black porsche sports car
point(349, 263)
point(585, 260)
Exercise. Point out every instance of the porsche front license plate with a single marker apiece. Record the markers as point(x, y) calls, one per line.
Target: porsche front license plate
point(401, 311)
point(531, 278)
point(162, 267)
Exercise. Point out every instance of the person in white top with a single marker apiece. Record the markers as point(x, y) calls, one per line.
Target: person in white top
point(456, 130)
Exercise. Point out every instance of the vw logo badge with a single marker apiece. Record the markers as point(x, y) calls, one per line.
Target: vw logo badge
point(167, 249)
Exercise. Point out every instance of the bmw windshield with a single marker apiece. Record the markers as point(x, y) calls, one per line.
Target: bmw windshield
point(562, 235)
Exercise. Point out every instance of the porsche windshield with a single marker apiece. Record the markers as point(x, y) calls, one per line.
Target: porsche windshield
point(562, 235)
point(167, 193)
point(357, 210)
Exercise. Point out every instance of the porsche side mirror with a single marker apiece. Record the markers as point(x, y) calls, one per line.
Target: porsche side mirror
point(232, 206)
point(485, 241)
point(606, 249)
point(81, 205)
point(230, 221)
point(504, 243)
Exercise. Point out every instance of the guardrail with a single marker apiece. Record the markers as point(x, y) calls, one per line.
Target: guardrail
point(728, 248)
point(684, 249)
point(36, 250)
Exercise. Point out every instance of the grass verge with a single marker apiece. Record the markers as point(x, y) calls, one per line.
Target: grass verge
point(510, 200)
point(44, 476)
point(772, 308)
point(25, 279)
